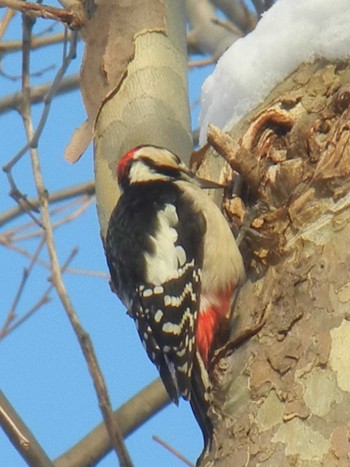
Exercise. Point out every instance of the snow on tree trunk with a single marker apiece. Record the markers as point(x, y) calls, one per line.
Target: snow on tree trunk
point(283, 381)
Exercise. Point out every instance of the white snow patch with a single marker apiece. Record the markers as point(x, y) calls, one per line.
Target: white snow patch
point(290, 33)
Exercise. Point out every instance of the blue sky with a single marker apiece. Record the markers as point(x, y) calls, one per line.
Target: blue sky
point(42, 371)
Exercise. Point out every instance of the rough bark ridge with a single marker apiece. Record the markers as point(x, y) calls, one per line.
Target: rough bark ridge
point(286, 390)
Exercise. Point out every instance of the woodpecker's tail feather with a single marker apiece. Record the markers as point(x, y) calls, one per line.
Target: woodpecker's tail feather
point(200, 400)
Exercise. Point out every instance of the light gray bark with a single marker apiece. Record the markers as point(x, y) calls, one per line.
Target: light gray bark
point(134, 83)
point(283, 381)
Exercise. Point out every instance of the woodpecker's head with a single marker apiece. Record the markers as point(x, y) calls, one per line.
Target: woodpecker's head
point(150, 163)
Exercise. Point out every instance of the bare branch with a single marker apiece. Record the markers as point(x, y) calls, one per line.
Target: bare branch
point(38, 93)
point(26, 272)
point(20, 435)
point(205, 36)
point(87, 188)
point(84, 204)
point(229, 26)
point(172, 450)
point(202, 63)
point(82, 336)
point(88, 272)
point(129, 416)
point(69, 17)
point(5, 242)
point(238, 13)
point(33, 142)
point(37, 42)
point(6, 21)
point(239, 158)
point(45, 298)
point(70, 3)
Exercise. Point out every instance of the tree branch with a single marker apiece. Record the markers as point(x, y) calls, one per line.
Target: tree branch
point(129, 417)
point(45, 298)
point(26, 273)
point(20, 436)
point(32, 143)
point(239, 158)
point(87, 188)
point(69, 17)
point(38, 93)
point(173, 451)
point(37, 42)
point(204, 36)
point(82, 336)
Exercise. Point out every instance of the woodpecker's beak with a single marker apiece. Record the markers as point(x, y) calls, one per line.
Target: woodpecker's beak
point(208, 184)
point(205, 184)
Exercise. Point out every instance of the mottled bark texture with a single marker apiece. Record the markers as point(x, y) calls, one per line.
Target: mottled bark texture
point(134, 85)
point(283, 381)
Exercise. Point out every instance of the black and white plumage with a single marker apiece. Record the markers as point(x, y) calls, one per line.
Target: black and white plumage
point(174, 263)
point(155, 269)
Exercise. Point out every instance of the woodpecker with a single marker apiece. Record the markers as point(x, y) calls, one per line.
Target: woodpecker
point(175, 264)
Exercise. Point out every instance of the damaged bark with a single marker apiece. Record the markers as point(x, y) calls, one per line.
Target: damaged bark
point(282, 382)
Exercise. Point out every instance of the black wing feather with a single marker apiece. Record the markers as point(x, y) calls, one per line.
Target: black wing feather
point(166, 318)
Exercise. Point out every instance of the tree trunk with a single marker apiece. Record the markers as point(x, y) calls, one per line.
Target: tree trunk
point(134, 84)
point(283, 381)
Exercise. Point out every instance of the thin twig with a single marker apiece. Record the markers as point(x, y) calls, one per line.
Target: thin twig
point(22, 200)
point(35, 74)
point(130, 416)
point(5, 22)
point(64, 220)
point(71, 18)
point(45, 298)
point(38, 93)
point(14, 234)
point(238, 157)
point(87, 188)
point(88, 272)
point(26, 273)
point(44, 264)
point(172, 450)
point(37, 42)
point(20, 435)
point(201, 63)
point(228, 25)
point(33, 141)
point(22, 251)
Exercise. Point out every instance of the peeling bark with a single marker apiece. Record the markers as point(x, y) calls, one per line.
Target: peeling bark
point(285, 391)
point(134, 85)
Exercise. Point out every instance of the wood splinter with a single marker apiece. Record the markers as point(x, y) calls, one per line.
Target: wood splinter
point(239, 158)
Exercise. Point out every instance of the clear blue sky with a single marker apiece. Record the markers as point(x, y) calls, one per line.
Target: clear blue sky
point(42, 371)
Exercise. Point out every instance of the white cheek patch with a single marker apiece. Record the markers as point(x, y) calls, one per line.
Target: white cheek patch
point(140, 172)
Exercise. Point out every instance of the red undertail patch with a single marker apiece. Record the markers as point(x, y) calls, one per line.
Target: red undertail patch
point(208, 323)
point(206, 328)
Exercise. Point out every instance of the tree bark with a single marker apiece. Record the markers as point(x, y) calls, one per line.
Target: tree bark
point(134, 84)
point(282, 383)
